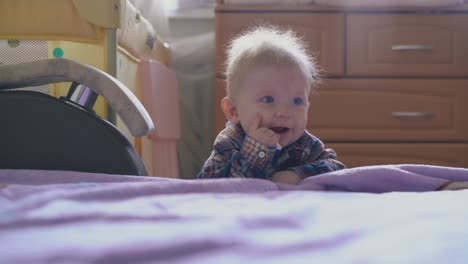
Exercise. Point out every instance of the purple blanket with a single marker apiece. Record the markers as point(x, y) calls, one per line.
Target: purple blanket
point(354, 215)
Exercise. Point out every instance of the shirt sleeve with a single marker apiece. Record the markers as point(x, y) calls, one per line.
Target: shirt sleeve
point(317, 160)
point(252, 160)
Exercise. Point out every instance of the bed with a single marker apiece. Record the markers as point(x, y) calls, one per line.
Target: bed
point(375, 214)
point(111, 35)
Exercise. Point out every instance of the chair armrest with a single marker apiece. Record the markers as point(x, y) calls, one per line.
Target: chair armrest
point(119, 97)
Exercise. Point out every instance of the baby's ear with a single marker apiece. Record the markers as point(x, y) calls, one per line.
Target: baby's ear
point(230, 110)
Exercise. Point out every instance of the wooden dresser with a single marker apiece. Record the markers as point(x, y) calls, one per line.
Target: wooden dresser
point(396, 80)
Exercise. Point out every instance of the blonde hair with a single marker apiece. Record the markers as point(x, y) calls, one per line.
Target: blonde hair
point(268, 45)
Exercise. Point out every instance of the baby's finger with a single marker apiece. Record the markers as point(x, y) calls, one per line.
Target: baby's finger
point(257, 122)
point(270, 137)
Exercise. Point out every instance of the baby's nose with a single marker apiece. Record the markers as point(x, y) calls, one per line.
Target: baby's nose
point(283, 111)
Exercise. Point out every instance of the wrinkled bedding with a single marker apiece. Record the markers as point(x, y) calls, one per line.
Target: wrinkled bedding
point(377, 214)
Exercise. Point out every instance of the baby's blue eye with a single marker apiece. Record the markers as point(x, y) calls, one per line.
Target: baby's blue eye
point(267, 99)
point(297, 101)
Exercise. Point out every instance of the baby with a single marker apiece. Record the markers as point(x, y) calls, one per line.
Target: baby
point(269, 78)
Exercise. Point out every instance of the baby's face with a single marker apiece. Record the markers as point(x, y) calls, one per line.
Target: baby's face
point(279, 95)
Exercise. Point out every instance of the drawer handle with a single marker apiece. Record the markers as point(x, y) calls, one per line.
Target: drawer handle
point(412, 114)
point(411, 47)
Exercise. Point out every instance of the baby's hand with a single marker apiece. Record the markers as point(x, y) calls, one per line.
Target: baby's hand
point(261, 134)
point(289, 177)
point(455, 185)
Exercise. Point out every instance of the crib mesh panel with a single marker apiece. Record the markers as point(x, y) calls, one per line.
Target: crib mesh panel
point(19, 51)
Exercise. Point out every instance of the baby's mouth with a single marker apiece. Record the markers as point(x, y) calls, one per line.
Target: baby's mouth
point(280, 130)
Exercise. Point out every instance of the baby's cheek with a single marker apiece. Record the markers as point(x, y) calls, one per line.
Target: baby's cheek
point(247, 125)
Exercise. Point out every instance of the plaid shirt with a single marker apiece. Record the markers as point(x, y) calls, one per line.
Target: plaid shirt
point(236, 155)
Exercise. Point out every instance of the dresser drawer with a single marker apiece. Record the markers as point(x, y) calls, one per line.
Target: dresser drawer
point(322, 32)
point(355, 155)
point(390, 110)
point(407, 44)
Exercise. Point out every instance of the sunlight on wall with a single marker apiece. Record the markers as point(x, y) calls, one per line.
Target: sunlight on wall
point(170, 5)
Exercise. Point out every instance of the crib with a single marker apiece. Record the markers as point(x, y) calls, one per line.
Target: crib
point(110, 35)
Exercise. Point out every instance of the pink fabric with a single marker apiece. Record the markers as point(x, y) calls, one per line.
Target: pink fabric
point(161, 97)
